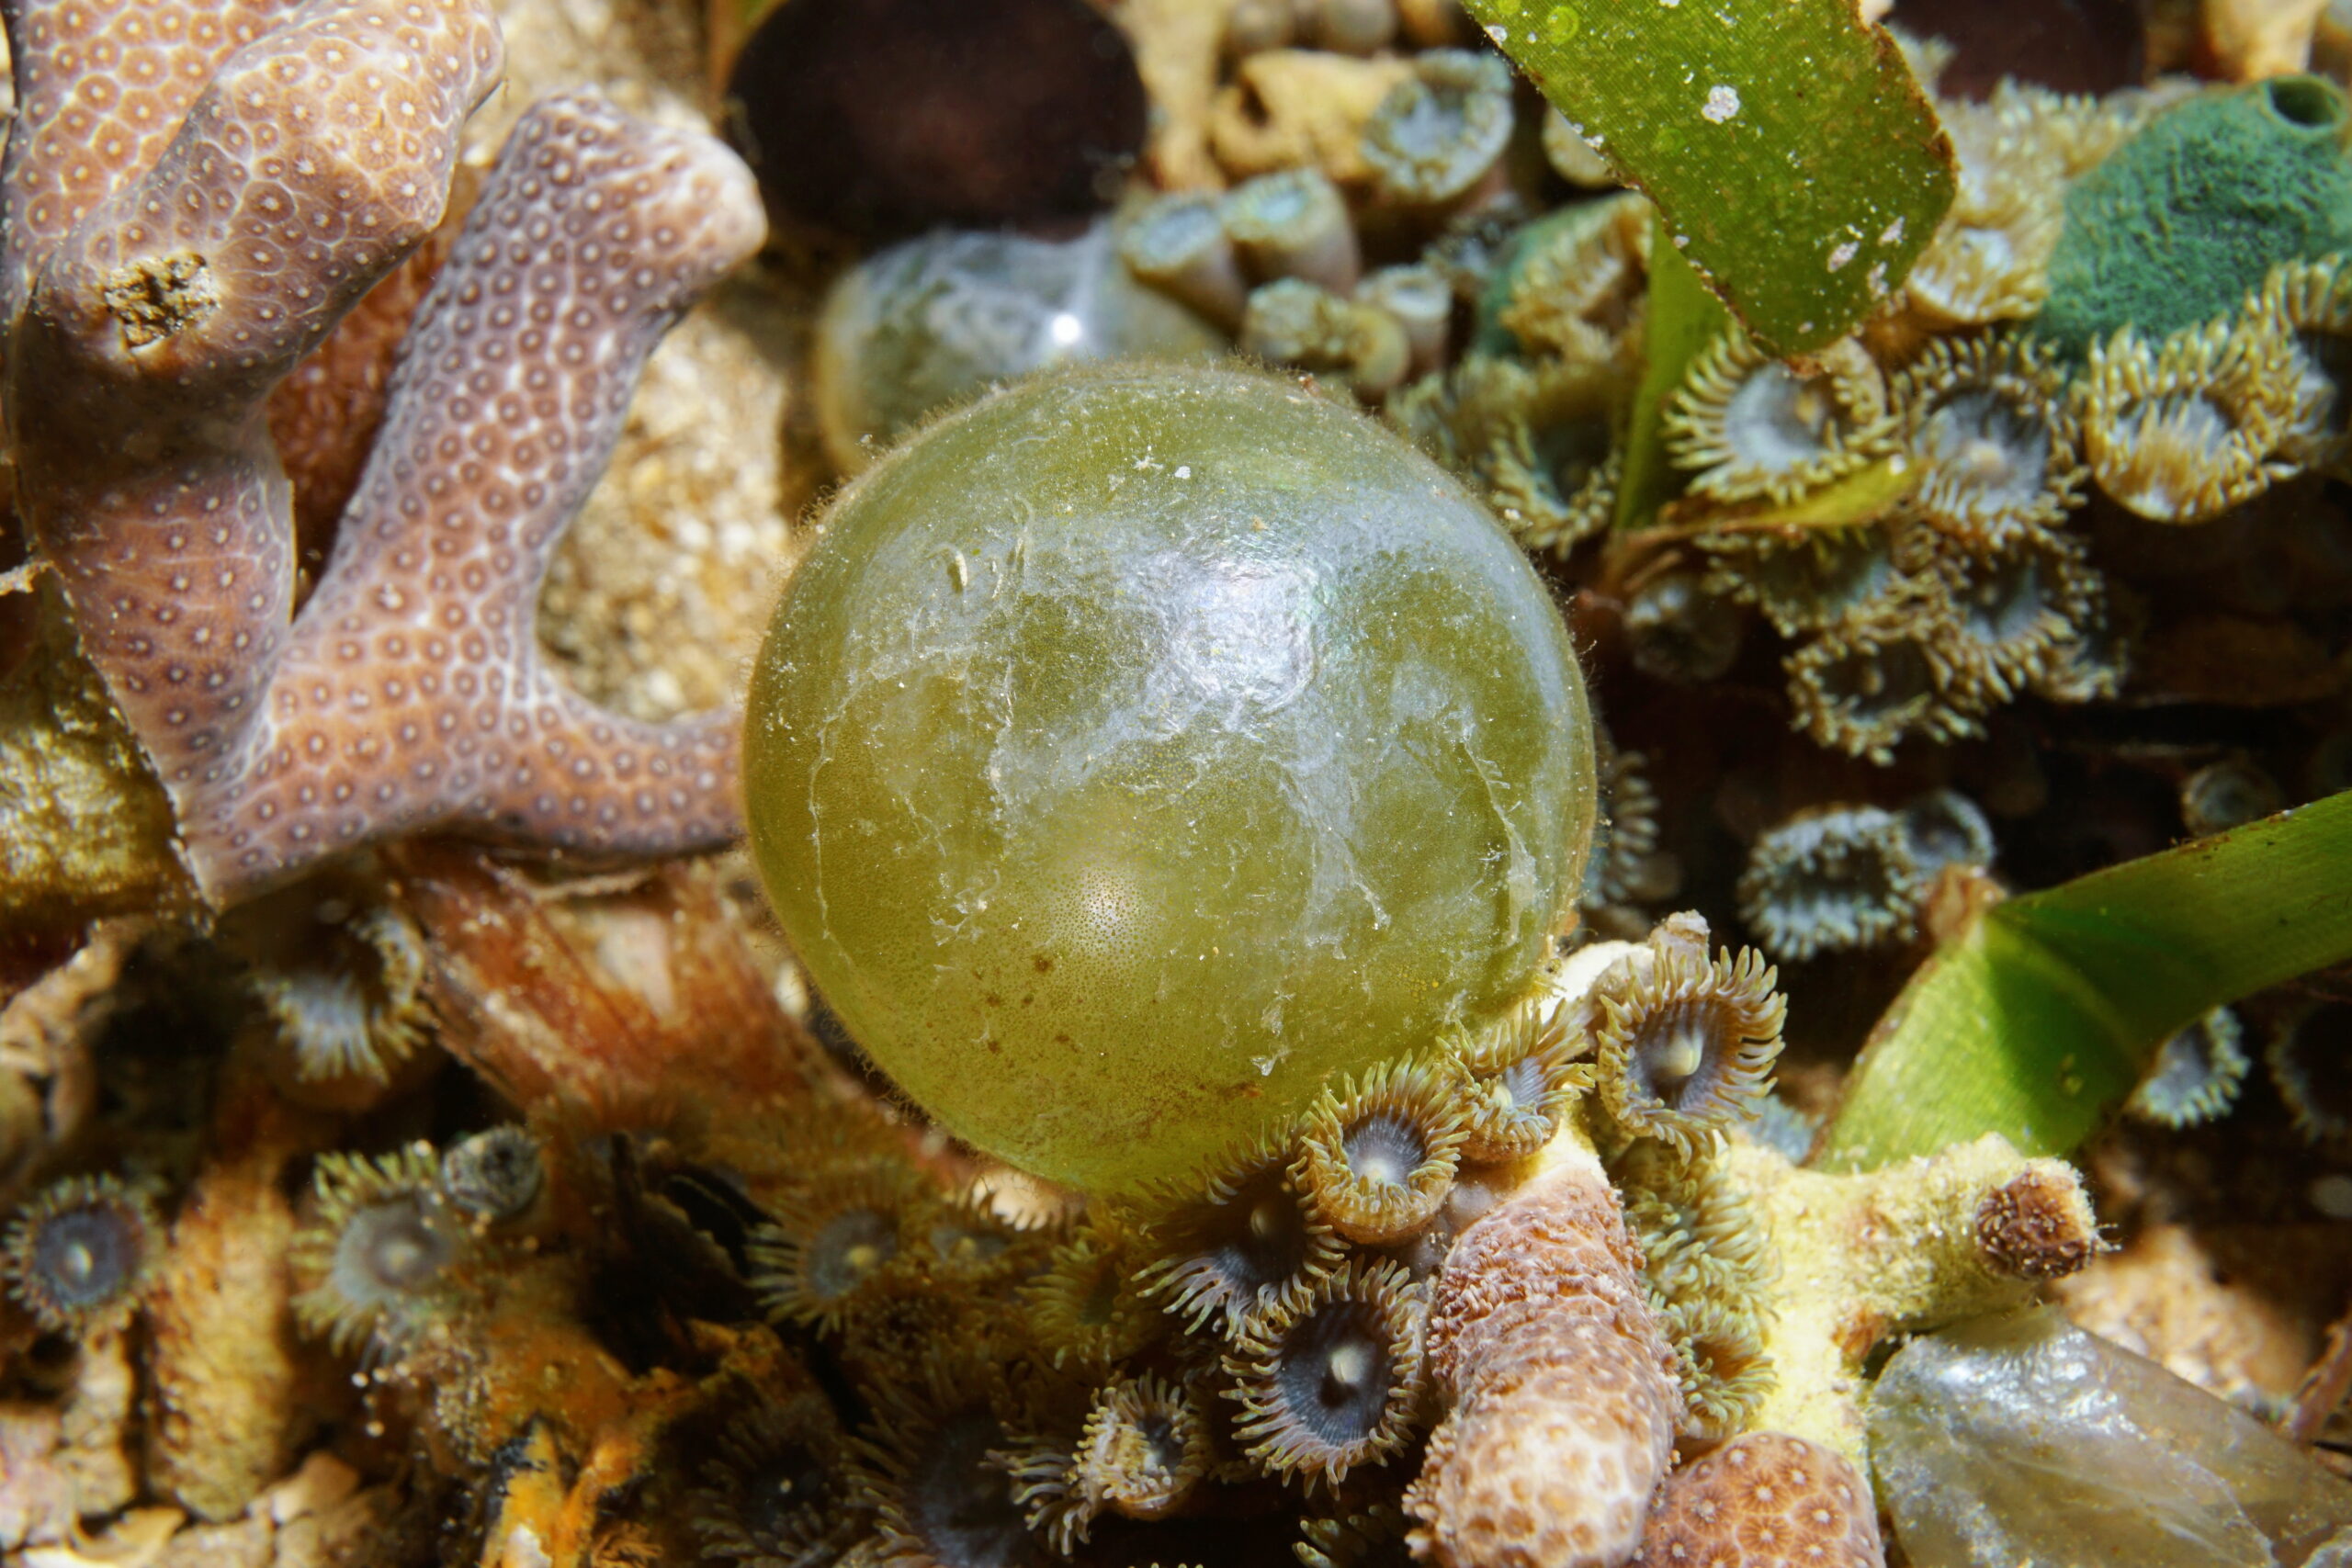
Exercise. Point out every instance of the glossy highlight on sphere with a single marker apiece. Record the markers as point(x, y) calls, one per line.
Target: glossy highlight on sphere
point(1141, 747)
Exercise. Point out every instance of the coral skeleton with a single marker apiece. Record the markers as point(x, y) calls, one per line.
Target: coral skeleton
point(192, 201)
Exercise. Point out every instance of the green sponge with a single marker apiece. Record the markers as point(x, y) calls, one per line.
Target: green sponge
point(2190, 216)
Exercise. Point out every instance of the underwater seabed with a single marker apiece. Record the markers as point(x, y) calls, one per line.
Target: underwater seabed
point(969, 785)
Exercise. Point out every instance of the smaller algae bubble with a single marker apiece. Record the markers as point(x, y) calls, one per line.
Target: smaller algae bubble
point(1238, 749)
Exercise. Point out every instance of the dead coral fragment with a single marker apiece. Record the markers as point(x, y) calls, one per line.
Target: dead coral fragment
point(772, 1498)
point(1831, 880)
point(1989, 419)
point(1765, 1500)
point(1378, 1155)
point(79, 1252)
point(1238, 1243)
point(1439, 132)
point(2183, 431)
point(1752, 427)
point(379, 1250)
point(1682, 1045)
point(1330, 1379)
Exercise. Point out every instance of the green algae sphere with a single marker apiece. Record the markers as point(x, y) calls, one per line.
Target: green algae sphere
point(1138, 748)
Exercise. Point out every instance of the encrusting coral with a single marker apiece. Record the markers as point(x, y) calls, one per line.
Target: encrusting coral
point(171, 255)
point(1765, 1500)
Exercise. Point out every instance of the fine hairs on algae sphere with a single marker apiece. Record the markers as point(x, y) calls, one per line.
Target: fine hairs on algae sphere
point(1141, 748)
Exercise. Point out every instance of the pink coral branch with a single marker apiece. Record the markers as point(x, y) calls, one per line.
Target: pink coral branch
point(414, 693)
point(410, 693)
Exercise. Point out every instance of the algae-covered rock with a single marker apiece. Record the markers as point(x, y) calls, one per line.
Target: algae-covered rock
point(2186, 219)
point(2024, 1439)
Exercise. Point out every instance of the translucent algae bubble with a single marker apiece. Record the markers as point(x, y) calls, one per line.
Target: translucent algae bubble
point(1140, 747)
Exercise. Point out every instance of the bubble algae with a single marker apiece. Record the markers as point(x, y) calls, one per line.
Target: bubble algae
point(1138, 747)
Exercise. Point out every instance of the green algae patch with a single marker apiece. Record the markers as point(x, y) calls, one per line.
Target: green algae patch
point(1140, 748)
point(1796, 162)
point(2185, 219)
point(2037, 1020)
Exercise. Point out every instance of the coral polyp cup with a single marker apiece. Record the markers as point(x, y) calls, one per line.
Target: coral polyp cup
point(1138, 748)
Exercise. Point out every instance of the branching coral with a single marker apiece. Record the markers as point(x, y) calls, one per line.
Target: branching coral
point(1561, 1384)
point(173, 251)
point(79, 1252)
